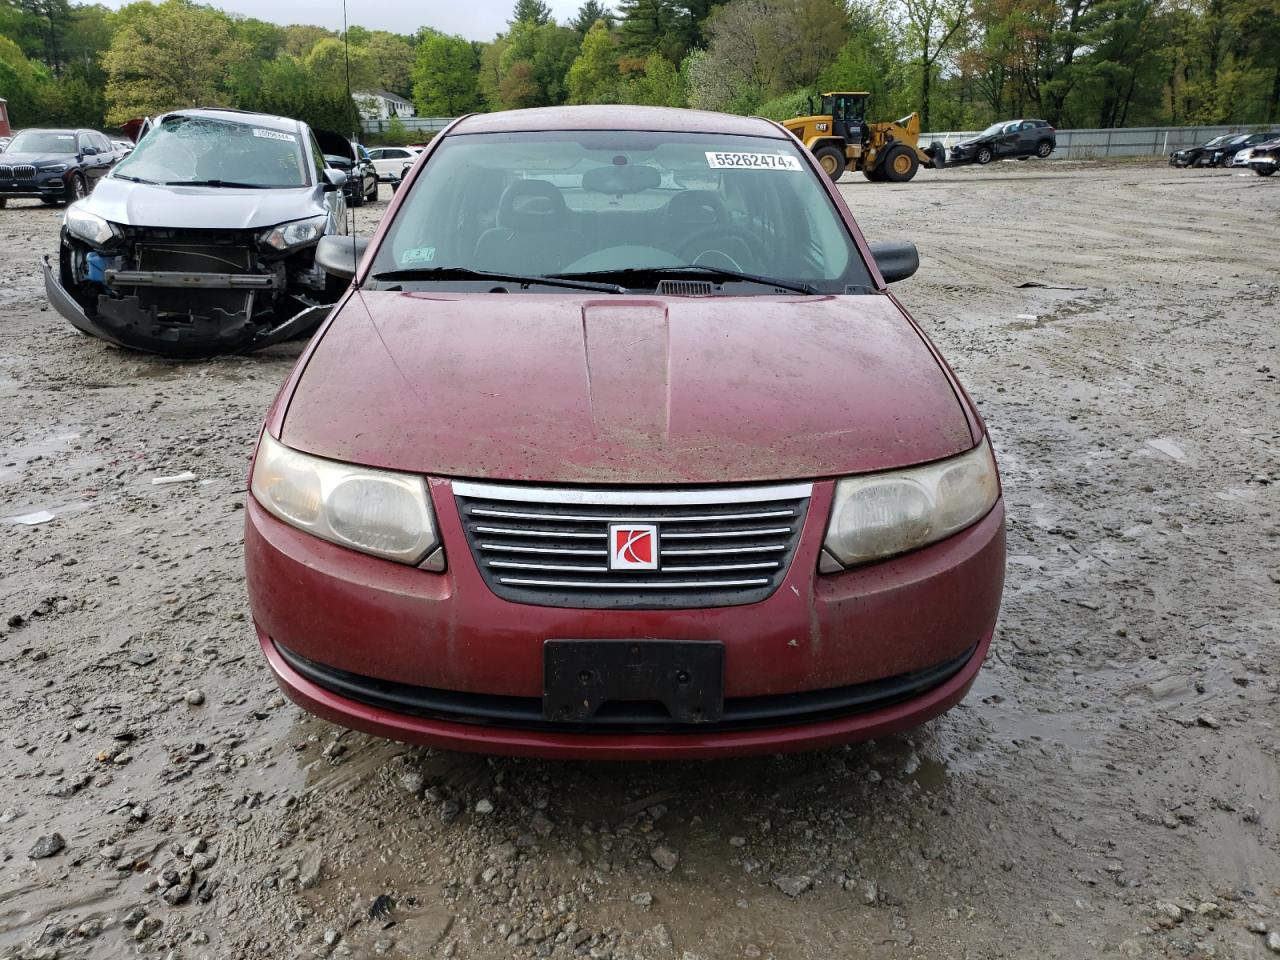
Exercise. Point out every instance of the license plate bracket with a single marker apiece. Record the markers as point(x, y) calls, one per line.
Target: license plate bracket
point(686, 676)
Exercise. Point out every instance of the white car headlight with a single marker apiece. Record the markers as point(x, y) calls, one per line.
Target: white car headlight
point(296, 233)
point(89, 227)
point(883, 514)
point(380, 512)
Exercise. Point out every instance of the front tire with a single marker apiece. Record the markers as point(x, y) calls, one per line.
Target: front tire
point(832, 161)
point(372, 195)
point(900, 165)
point(76, 189)
point(1043, 149)
point(1264, 171)
point(983, 156)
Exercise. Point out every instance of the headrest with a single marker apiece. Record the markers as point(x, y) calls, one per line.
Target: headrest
point(530, 205)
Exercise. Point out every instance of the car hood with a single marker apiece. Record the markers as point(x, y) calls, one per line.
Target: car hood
point(207, 208)
point(974, 140)
point(562, 389)
point(36, 159)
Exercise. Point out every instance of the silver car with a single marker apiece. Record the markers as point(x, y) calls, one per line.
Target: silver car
point(203, 239)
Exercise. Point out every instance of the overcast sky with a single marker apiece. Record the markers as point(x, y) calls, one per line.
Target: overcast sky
point(474, 19)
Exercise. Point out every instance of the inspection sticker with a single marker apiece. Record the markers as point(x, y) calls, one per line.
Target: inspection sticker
point(752, 161)
point(274, 135)
point(419, 255)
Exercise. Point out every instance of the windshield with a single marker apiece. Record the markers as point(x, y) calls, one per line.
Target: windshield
point(993, 129)
point(593, 202)
point(200, 149)
point(42, 141)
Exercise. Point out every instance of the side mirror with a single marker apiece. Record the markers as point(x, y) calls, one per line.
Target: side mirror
point(896, 259)
point(334, 179)
point(338, 256)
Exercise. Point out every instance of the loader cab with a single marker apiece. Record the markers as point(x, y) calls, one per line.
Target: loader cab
point(848, 112)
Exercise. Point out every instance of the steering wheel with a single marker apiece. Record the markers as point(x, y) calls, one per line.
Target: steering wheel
point(731, 242)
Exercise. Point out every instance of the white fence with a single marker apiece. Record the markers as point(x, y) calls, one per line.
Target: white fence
point(1072, 144)
point(1120, 141)
point(412, 124)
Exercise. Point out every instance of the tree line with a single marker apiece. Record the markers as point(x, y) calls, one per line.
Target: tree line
point(960, 63)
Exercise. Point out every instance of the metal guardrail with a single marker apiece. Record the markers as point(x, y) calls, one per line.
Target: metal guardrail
point(1100, 142)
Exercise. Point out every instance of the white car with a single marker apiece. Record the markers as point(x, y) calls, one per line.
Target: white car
point(1241, 158)
point(390, 161)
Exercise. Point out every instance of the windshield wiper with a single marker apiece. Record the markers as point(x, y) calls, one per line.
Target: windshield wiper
point(466, 273)
point(125, 176)
point(723, 273)
point(234, 184)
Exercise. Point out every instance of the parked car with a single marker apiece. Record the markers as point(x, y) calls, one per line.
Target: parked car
point(389, 161)
point(54, 166)
point(4, 142)
point(203, 239)
point(643, 462)
point(1008, 138)
point(1223, 154)
point(123, 147)
point(1266, 157)
point(1198, 156)
point(341, 154)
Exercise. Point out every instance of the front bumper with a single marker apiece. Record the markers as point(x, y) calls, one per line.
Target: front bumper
point(53, 188)
point(379, 647)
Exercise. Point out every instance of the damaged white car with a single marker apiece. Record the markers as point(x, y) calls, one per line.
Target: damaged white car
point(203, 239)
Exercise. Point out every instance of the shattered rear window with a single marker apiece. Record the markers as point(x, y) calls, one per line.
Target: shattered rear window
point(185, 149)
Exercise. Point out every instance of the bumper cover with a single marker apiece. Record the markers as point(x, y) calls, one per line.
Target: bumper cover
point(387, 625)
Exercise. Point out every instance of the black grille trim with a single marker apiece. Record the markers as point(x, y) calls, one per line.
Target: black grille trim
point(717, 548)
point(740, 713)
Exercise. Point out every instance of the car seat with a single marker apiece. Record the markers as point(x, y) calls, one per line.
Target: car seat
point(534, 233)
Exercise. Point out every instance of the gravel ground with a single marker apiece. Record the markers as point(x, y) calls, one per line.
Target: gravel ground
point(1109, 787)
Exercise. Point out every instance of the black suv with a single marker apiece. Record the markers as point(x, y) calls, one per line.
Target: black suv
point(1008, 138)
point(56, 166)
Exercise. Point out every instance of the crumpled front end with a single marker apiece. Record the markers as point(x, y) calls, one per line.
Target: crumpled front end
point(188, 293)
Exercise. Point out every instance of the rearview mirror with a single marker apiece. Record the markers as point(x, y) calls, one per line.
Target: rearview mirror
point(339, 256)
point(334, 179)
point(896, 259)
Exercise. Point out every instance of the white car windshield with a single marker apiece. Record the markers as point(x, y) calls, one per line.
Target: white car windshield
point(583, 203)
point(215, 152)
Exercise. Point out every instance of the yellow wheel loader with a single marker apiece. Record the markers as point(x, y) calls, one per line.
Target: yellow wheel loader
point(841, 139)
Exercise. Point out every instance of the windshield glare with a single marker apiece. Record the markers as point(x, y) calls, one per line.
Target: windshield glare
point(186, 149)
point(42, 141)
point(584, 202)
point(994, 128)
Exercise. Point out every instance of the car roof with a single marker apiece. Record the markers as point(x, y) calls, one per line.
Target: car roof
point(265, 120)
point(612, 117)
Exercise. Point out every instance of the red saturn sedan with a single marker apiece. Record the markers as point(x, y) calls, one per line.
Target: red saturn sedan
point(618, 447)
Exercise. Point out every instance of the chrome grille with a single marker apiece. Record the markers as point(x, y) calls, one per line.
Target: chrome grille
point(21, 172)
point(550, 546)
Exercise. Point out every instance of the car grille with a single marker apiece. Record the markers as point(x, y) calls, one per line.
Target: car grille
point(550, 546)
point(20, 172)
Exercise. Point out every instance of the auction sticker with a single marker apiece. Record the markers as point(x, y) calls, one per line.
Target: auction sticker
point(274, 135)
point(751, 161)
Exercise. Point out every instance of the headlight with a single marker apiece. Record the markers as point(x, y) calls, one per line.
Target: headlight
point(89, 227)
point(374, 511)
point(883, 514)
point(296, 233)
point(54, 168)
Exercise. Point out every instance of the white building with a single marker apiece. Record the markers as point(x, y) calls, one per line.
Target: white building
point(381, 105)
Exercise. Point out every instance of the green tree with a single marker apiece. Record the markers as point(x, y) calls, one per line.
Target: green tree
point(588, 14)
point(530, 11)
point(931, 29)
point(23, 83)
point(392, 60)
point(649, 25)
point(178, 56)
point(329, 61)
point(445, 76)
point(593, 77)
point(548, 51)
point(657, 85)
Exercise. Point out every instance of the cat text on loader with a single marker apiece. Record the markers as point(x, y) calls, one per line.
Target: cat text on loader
point(841, 139)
